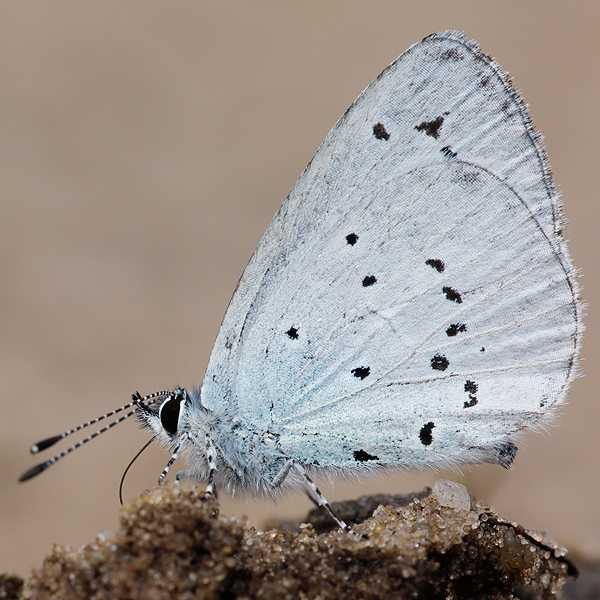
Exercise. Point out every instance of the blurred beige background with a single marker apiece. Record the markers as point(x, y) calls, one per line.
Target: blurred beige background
point(145, 147)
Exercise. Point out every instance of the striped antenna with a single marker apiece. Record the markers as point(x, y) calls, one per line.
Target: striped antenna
point(137, 401)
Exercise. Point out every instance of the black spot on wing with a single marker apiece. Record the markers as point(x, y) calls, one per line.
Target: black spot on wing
point(361, 372)
point(362, 456)
point(352, 238)
point(425, 434)
point(446, 151)
point(471, 389)
point(452, 54)
point(369, 280)
point(468, 176)
point(292, 333)
point(482, 350)
point(436, 263)
point(506, 454)
point(455, 329)
point(452, 294)
point(431, 128)
point(439, 363)
point(380, 133)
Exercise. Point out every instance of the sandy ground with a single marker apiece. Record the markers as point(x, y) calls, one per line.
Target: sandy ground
point(174, 544)
point(145, 147)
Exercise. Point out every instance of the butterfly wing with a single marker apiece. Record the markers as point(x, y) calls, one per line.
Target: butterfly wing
point(412, 302)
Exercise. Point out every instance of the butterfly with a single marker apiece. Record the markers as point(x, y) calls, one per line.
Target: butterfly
point(412, 304)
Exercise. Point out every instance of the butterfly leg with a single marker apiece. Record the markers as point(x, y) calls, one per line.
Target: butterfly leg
point(212, 468)
point(319, 498)
point(310, 497)
point(282, 474)
point(316, 496)
point(211, 457)
point(173, 458)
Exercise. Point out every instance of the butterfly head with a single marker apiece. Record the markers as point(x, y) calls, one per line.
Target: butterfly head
point(167, 419)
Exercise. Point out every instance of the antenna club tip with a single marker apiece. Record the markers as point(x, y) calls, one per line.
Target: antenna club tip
point(45, 444)
point(30, 473)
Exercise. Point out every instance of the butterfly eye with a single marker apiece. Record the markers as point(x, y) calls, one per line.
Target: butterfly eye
point(169, 413)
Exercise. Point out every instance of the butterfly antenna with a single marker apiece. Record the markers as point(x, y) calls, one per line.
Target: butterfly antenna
point(137, 401)
point(129, 466)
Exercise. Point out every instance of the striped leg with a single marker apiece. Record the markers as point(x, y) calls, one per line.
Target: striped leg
point(211, 457)
point(320, 499)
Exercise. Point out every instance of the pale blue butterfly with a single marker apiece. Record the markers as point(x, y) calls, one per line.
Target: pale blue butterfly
point(412, 304)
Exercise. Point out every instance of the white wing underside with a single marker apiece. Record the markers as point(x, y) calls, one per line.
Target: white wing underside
point(413, 298)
